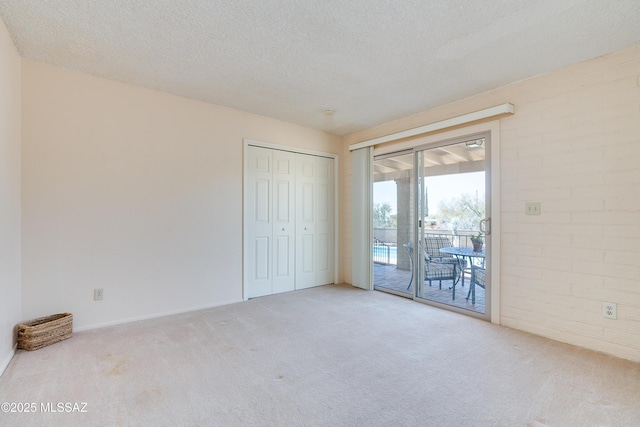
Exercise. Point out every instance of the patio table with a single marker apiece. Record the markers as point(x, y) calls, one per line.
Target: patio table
point(463, 253)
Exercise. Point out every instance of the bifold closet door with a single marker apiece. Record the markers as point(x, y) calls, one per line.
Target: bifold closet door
point(314, 221)
point(271, 227)
point(259, 224)
point(325, 211)
point(305, 221)
point(284, 225)
point(289, 229)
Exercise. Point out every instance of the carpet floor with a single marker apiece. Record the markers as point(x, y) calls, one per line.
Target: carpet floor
point(326, 356)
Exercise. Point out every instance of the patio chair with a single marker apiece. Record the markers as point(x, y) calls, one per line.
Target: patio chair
point(478, 277)
point(434, 269)
point(409, 249)
point(432, 246)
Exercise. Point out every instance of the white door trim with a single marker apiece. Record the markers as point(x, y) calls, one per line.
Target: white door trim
point(486, 113)
point(494, 128)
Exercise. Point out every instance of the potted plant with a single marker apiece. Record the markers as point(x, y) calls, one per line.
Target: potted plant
point(477, 242)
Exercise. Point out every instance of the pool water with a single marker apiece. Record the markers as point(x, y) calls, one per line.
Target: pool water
point(380, 254)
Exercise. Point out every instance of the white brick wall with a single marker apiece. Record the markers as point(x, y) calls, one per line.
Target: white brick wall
point(574, 146)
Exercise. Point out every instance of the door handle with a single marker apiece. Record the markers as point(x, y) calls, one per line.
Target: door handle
point(485, 226)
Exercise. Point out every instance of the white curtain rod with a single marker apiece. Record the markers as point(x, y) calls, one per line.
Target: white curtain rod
point(507, 108)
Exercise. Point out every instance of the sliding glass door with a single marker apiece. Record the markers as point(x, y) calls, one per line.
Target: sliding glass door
point(452, 224)
point(393, 180)
point(431, 210)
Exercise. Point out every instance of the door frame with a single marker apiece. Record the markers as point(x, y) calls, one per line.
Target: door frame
point(417, 230)
point(245, 218)
point(493, 128)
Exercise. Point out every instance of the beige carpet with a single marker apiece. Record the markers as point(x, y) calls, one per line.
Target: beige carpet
point(328, 356)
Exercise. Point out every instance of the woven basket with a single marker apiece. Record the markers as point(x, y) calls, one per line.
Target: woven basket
point(43, 331)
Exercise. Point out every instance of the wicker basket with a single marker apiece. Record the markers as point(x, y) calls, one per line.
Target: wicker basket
point(44, 331)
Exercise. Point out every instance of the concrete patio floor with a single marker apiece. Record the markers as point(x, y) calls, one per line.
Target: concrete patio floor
point(386, 277)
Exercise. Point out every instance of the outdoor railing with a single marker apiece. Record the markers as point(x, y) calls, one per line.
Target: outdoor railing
point(461, 239)
point(386, 252)
point(381, 252)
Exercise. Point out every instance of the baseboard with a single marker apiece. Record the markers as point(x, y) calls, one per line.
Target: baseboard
point(7, 359)
point(147, 317)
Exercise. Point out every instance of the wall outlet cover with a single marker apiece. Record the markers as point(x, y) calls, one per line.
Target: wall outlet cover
point(609, 310)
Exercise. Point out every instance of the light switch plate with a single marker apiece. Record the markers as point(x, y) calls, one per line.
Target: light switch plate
point(532, 208)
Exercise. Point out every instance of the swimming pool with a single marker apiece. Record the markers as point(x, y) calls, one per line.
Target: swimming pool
point(385, 254)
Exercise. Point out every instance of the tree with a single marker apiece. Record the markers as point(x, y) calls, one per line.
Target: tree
point(382, 217)
point(461, 213)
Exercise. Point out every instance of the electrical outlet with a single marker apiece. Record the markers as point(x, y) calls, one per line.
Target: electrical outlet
point(98, 294)
point(532, 208)
point(610, 310)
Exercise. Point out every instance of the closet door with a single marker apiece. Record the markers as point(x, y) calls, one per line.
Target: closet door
point(289, 221)
point(305, 221)
point(259, 223)
point(284, 226)
point(324, 221)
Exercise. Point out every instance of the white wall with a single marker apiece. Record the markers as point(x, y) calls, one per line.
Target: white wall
point(573, 145)
point(134, 191)
point(10, 314)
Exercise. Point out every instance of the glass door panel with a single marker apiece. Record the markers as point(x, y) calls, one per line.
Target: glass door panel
point(393, 179)
point(451, 202)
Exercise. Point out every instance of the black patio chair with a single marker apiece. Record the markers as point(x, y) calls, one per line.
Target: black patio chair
point(436, 270)
point(478, 278)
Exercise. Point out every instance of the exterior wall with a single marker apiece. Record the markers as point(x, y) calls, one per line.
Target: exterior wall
point(573, 145)
point(10, 240)
point(134, 191)
point(386, 234)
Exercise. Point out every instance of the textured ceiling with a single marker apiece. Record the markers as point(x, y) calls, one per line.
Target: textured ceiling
point(369, 60)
